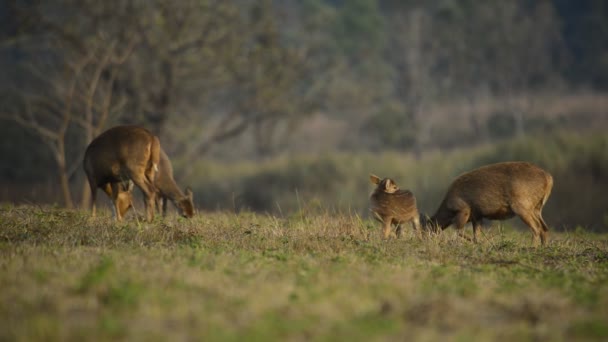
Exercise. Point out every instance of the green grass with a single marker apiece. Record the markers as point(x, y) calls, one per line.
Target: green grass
point(222, 276)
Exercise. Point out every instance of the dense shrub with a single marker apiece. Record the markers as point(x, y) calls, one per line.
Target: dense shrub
point(501, 125)
point(392, 128)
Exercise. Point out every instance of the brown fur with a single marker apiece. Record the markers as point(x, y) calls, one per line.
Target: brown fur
point(167, 189)
point(392, 206)
point(497, 192)
point(124, 200)
point(120, 154)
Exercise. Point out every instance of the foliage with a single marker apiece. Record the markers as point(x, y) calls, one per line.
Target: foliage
point(584, 32)
point(501, 125)
point(88, 66)
point(393, 128)
point(578, 163)
point(224, 81)
point(223, 276)
point(359, 30)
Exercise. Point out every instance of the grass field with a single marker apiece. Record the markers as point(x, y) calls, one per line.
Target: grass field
point(327, 276)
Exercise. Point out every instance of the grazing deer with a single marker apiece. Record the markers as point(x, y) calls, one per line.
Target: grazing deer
point(393, 206)
point(124, 197)
point(497, 192)
point(120, 154)
point(168, 189)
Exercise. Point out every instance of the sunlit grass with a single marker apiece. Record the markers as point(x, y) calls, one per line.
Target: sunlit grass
point(322, 276)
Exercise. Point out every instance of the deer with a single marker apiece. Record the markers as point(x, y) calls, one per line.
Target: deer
point(117, 157)
point(496, 192)
point(167, 189)
point(392, 206)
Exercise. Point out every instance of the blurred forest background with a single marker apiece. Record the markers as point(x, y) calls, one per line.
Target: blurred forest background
point(286, 106)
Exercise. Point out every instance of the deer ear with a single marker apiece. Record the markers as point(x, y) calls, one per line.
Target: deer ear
point(374, 179)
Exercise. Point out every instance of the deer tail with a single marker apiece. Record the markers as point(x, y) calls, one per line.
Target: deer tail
point(155, 154)
point(548, 188)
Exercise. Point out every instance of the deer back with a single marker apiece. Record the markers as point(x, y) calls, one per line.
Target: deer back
point(401, 205)
point(120, 151)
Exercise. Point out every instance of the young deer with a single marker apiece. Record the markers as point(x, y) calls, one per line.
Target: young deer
point(392, 206)
point(117, 156)
point(497, 192)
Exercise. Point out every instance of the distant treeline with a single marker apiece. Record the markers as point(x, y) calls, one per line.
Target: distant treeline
point(251, 80)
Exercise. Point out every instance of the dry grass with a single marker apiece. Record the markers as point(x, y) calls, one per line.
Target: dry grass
point(221, 276)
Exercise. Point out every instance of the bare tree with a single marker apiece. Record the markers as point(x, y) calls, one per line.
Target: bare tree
point(186, 65)
point(528, 44)
point(259, 83)
point(50, 121)
point(414, 56)
point(503, 49)
point(80, 95)
point(71, 77)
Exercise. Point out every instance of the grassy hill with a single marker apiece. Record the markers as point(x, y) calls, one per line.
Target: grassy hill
point(322, 276)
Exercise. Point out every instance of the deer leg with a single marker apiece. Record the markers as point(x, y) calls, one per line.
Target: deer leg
point(114, 195)
point(476, 230)
point(541, 231)
point(529, 217)
point(107, 188)
point(460, 220)
point(531, 222)
point(149, 194)
point(386, 224)
point(544, 229)
point(544, 233)
point(159, 202)
point(164, 201)
point(93, 187)
point(416, 226)
point(398, 231)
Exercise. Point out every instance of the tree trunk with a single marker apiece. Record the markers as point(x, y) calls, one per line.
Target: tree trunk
point(477, 123)
point(157, 118)
point(85, 198)
point(63, 176)
point(85, 201)
point(421, 137)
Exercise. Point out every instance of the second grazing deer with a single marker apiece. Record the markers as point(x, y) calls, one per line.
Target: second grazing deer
point(497, 192)
point(167, 190)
